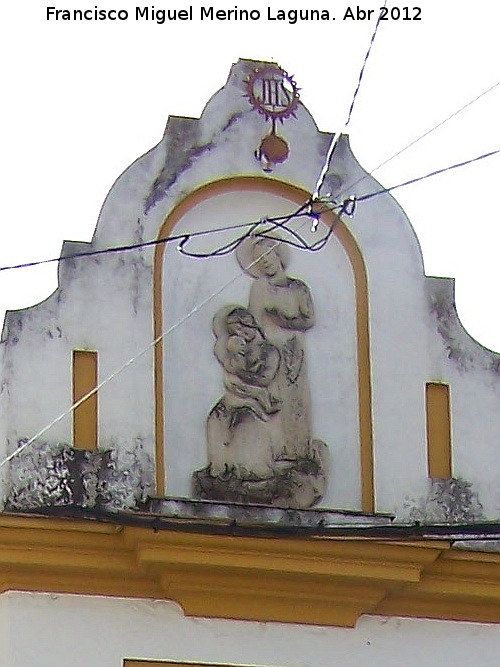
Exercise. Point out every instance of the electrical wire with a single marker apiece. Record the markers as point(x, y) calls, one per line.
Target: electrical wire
point(133, 359)
point(230, 247)
point(276, 223)
point(419, 138)
point(363, 67)
point(279, 222)
point(183, 239)
point(382, 191)
point(272, 224)
point(133, 246)
point(251, 228)
point(337, 135)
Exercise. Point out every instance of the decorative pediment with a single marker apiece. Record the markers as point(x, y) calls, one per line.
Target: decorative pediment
point(251, 329)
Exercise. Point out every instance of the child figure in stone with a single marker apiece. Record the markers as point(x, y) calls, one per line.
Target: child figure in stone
point(243, 367)
point(249, 361)
point(243, 427)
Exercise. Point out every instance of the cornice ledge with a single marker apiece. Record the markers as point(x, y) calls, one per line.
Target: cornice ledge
point(294, 579)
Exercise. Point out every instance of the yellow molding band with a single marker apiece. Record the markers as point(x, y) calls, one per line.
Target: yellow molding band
point(297, 196)
point(307, 581)
point(437, 400)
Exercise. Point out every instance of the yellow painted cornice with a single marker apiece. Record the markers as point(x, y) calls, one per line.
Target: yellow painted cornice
point(300, 580)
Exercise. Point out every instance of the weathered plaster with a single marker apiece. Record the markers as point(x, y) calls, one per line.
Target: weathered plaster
point(461, 347)
point(104, 303)
point(181, 148)
point(488, 546)
point(127, 479)
point(447, 501)
point(262, 515)
point(48, 475)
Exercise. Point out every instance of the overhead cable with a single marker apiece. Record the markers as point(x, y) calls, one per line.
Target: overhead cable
point(337, 135)
point(181, 239)
point(300, 211)
point(230, 247)
point(137, 356)
point(277, 223)
point(382, 191)
point(419, 138)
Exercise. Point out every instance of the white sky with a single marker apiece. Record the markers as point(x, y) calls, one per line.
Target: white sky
point(81, 101)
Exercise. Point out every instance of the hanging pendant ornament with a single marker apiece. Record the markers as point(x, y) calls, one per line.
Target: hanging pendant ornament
point(272, 150)
point(274, 95)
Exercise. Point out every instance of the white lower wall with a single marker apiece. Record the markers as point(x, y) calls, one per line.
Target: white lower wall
point(4, 630)
point(47, 630)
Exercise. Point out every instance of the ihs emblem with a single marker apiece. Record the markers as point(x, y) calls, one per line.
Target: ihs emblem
point(274, 94)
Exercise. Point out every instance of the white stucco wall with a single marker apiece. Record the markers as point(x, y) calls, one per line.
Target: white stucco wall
point(5, 631)
point(105, 304)
point(60, 630)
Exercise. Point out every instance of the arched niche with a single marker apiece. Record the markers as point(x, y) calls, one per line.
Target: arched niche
point(187, 293)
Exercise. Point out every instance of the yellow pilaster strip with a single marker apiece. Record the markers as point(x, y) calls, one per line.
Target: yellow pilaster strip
point(437, 398)
point(85, 415)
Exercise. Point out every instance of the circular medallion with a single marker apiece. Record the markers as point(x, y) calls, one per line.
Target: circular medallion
point(272, 92)
point(274, 148)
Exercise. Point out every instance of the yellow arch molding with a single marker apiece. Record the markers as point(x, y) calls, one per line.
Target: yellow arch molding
point(297, 196)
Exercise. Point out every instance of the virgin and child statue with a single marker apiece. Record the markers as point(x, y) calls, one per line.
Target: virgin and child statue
point(259, 434)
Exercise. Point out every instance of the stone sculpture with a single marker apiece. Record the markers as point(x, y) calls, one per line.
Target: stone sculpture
point(259, 438)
